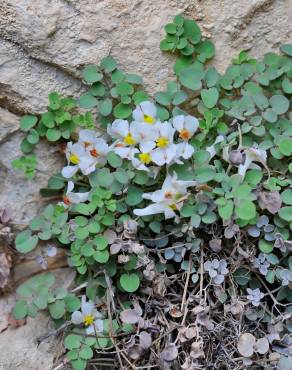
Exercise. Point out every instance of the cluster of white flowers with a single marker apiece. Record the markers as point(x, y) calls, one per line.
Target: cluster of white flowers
point(85, 155)
point(144, 141)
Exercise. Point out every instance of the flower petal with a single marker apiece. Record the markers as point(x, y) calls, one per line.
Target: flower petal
point(69, 171)
point(77, 317)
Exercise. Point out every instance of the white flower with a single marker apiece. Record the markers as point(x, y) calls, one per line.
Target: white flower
point(212, 149)
point(252, 155)
point(73, 198)
point(145, 112)
point(79, 159)
point(168, 199)
point(165, 150)
point(98, 151)
point(184, 150)
point(140, 160)
point(186, 126)
point(87, 137)
point(89, 316)
point(120, 129)
point(145, 135)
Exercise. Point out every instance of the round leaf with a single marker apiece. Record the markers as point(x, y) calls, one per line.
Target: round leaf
point(210, 97)
point(27, 122)
point(25, 242)
point(130, 282)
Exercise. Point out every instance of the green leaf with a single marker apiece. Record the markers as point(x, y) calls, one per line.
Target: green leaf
point(226, 210)
point(286, 49)
point(100, 242)
point(279, 104)
point(81, 233)
point(91, 74)
point(101, 177)
point(97, 89)
point(265, 246)
point(134, 196)
point(285, 146)
point(108, 64)
point(242, 276)
point(206, 50)
point(79, 364)
point(73, 341)
point(210, 97)
point(101, 256)
point(170, 28)
point(53, 134)
point(122, 176)
point(86, 353)
point(287, 196)
point(124, 88)
point(48, 119)
point(26, 147)
point(287, 86)
point(191, 78)
point(122, 111)
point(192, 31)
point(20, 310)
point(270, 116)
point(179, 97)
point(246, 210)
point(105, 107)
point(130, 282)
point(163, 98)
point(114, 160)
point(140, 96)
point(27, 122)
point(25, 242)
point(205, 174)
point(286, 213)
point(72, 303)
point(57, 309)
point(87, 101)
point(133, 79)
point(33, 137)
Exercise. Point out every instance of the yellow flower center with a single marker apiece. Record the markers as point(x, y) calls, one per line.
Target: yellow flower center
point(145, 158)
point(129, 140)
point(148, 119)
point(162, 142)
point(88, 320)
point(74, 158)
point(173, 207)
point(185, 134)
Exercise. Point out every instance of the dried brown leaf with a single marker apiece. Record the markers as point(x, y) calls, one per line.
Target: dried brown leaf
point(270, 200)
point(246, 344)
point(169, 353)
point(129, 316)
point(215, 245)
point(5, 264)
point(145, 340)
point(262, 346)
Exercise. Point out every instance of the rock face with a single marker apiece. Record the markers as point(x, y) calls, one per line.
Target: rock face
point(45, 43)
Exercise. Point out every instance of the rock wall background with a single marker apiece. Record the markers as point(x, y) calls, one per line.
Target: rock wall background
point(45, 43)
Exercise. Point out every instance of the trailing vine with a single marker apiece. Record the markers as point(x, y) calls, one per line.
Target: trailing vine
point(176, 212)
